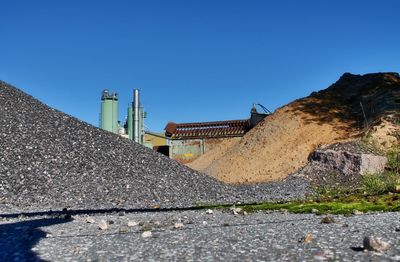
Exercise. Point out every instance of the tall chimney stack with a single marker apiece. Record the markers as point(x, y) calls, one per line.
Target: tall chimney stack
point(136, 115)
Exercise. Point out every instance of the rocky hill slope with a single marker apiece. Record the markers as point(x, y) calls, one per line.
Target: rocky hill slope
point(280, 144)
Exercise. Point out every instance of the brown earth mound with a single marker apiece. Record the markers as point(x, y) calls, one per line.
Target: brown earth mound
point(216, 152)
point(281, 143)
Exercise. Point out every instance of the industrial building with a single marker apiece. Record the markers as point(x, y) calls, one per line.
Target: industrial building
point(188, 141)
point(133, 128)
point(183, 142)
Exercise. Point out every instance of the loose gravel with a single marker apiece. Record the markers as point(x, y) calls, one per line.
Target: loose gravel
point(50, 161)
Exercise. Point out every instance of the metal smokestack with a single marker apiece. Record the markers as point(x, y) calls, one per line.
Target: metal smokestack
point(136, 115)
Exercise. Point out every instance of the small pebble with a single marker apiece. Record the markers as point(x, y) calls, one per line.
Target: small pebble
point(328, 220)
point(306, 239)
point(178, 225)
point(146, 234)
point(123, 230)
point(89, 220)
point(324, 255)
point(103, 225)
point(132, 223)
point(376, 244)
point(236, 210)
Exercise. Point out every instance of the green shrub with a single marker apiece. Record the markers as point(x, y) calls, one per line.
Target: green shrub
point(375, 184)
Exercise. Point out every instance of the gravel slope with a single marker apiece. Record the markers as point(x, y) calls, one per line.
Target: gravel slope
point(50, 160)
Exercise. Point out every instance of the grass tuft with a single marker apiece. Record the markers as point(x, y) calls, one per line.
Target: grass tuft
point(393, 157)
point(373, 184)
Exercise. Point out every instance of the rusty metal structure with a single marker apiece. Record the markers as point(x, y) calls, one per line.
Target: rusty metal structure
point(202, 130)
point(188, 141)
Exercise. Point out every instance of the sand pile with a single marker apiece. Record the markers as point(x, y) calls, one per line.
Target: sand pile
point(281, 143)
point(216, 152)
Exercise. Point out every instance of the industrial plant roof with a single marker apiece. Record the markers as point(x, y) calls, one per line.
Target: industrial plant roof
point(216, 129)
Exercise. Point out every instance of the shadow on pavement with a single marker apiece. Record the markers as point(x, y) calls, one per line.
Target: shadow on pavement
point(18, 239)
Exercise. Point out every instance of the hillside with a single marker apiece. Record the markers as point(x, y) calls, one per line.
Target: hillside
point(281, 143)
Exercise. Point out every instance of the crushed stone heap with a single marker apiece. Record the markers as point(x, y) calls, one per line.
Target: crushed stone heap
point(49, 160)
point(281, 143)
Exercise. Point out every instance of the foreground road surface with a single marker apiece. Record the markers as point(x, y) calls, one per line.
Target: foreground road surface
point(197, 236)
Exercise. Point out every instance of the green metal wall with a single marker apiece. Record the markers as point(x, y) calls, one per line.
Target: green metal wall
point(185, 151)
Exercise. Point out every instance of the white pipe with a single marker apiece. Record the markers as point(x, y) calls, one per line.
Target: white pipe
point(136, 115)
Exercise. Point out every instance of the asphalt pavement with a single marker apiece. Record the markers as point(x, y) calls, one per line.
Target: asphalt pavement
point(197, 235)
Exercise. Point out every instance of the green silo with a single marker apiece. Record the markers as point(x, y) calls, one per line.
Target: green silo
point(109, 112)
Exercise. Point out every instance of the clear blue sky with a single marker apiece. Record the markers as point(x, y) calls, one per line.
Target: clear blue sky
point(192, 60)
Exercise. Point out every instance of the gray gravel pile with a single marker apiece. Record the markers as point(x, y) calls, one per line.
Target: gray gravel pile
point(49, 160)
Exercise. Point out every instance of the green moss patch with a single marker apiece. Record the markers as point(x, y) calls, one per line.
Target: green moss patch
point(343, 205)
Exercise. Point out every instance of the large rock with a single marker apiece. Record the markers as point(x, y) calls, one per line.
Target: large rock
point(340, 164)
point(349, 163)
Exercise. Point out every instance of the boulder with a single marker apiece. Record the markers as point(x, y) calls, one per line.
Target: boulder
point(372, 164)
point(349, 163)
